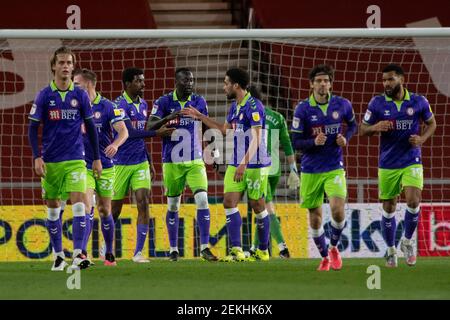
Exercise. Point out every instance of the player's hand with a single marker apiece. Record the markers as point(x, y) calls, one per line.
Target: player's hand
point(320, 139)
point(293, 180)
point(415, 140)
point(164, 131)
point(39, 167)
point(341, 141)
point(97, 168)
point(111, 150)
point(191, 112)
point(384, 126)
point(239, 174)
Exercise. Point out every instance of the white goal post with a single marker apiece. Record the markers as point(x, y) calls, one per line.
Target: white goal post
point(278, 61)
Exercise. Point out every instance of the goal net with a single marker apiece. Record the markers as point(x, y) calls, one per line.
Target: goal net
point(279, 67)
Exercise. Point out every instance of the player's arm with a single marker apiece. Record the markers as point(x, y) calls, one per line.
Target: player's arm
point(370, 124)
point(256, 132)
point(352, 126)
point(208, 121)
point(293, 179)
point(430, 124)
point(380, 126)
point(299, 140)
point(286, 145)
point(122, 136)
point(39, 165)
point(160, 114)
point(91, 130)
point(143, 134)
point(430, 127)
point(35, 117)
point(154, 123)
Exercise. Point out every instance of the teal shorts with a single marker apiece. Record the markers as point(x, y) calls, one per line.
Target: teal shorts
point(63, 178)
point(135, 176)
point(176, 175)
point(104, 185)
point(314, 185)
point(254, 181)
point(392, 181)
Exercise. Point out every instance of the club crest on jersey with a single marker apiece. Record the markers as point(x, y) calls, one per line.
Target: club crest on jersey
point(97, 115)
point(33, 109)
point(241, 116)
point(335, 115)
point(410, 111)
point(74, 103)
point(296, 123)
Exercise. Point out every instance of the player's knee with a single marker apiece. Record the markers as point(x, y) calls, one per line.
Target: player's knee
point(103, 210)
point(413, 205)
point(173, 203)
point(257, 205)
point(53, 214)
point(201, 200)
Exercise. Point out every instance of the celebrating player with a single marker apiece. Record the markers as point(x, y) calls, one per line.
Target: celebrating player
point(106, 118)
point(248, 169)
point(131, 160)
point(277, 132)
point(396, 115)
point(317, 131)
point(62, 108)
point(187, 166)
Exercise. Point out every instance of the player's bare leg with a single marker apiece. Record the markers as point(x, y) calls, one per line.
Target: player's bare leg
point(413, 197)
point(318, 234)
point(78, 229)
point(388, 229)
point(234, 223)
point(142, 201)
point(337, 226)
point(107, 225)
point(263, 228)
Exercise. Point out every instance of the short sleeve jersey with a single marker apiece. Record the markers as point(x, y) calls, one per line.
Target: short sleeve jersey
point(188, 137)
point(242, 117)
point(62, 113)
point(395, 150)
point(133, 151)
point(105, 115)
point(310, 119)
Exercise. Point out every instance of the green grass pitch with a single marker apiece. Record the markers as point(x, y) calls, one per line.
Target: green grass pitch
point(195, 279)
